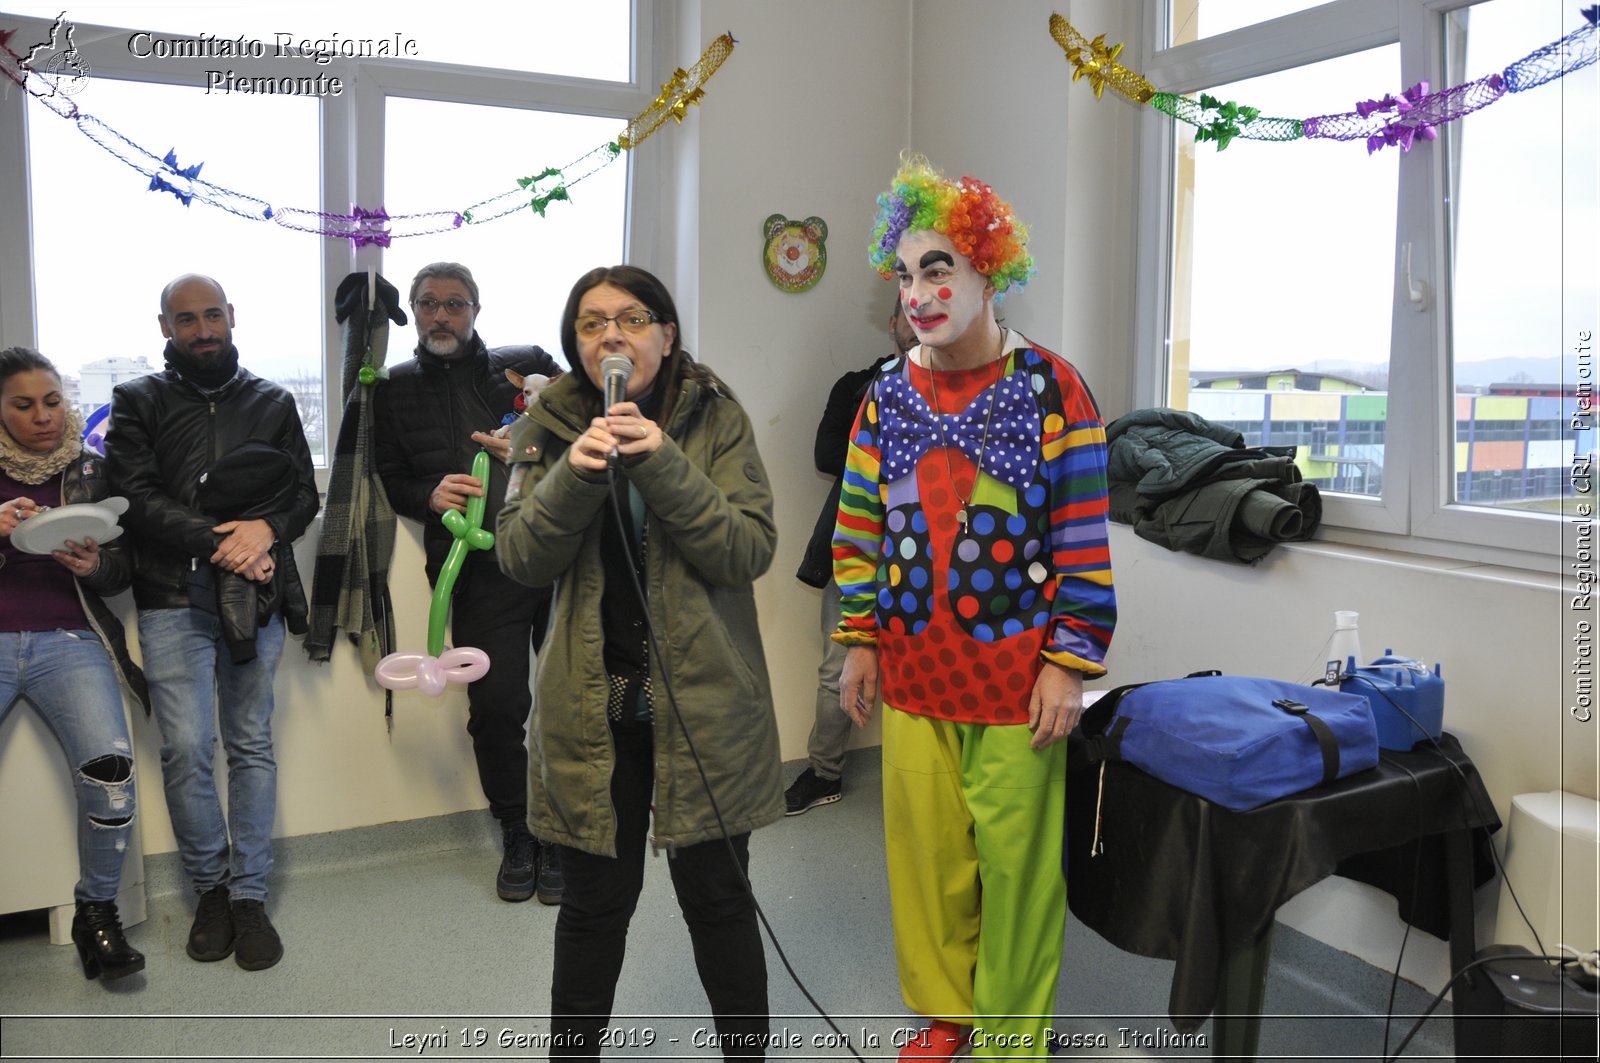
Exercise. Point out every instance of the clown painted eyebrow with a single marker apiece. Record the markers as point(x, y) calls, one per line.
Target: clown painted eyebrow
point(929, 258)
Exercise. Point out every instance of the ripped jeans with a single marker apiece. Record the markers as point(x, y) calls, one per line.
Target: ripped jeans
point(67, 677)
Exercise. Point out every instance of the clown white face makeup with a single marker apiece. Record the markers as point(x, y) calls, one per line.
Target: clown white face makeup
point(949, 304)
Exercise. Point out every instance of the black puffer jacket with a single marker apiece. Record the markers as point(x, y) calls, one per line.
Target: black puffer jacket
point(165, 434)
point(1187, 483)
point(418, 438)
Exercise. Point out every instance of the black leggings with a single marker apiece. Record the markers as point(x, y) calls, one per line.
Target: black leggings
point(598, 903)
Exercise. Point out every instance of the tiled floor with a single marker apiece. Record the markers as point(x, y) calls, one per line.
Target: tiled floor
point(396, 947)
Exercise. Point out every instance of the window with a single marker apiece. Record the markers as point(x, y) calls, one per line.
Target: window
point(1518, 178)
point(456, 116)
point(1195, 19)
point(524, 266)
point(1410, 322)
point(1248, 298)
point(104, 244)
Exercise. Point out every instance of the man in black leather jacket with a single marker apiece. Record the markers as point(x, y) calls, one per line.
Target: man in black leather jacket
point(167, 431)
point(430, 419)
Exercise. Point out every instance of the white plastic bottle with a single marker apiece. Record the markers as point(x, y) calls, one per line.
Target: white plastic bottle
point(1344, 648)
point(1335, 654)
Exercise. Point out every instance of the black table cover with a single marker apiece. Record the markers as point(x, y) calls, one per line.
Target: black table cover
point(1180, 878)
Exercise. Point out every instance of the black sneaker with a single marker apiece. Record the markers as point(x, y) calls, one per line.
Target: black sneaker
point(550, 882)
point(257, 945)
point(211, 936)
point(515, 880)
point(810, 790)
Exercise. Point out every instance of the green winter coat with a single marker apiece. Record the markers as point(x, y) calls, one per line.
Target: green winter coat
point(710, 533)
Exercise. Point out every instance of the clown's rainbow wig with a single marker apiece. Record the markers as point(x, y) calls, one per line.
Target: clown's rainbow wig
point(977, 221)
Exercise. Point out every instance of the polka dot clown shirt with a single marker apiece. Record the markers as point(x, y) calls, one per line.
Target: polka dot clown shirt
point(971, 539)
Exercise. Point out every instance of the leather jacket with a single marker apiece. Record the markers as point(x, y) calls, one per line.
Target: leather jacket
point(165, 433)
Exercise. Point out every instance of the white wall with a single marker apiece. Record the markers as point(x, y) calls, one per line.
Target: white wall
point(807, 118)
point(338, 765)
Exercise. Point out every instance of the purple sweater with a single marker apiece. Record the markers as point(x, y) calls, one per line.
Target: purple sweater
point(36, 593)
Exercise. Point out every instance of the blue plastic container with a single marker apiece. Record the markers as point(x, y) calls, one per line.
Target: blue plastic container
point(1393, 684)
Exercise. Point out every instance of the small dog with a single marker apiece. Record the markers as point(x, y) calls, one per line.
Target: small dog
point(531, 385)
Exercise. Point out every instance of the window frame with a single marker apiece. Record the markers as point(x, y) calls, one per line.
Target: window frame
point(1415, 512)
point(351, 144)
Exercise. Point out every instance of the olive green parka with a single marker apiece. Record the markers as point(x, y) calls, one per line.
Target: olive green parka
point(710, 534)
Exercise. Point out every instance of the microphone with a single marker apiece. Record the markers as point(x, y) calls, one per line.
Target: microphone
point(615, 369)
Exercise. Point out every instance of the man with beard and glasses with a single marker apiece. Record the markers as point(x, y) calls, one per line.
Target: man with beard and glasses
point(205, 582)
point(430, 419)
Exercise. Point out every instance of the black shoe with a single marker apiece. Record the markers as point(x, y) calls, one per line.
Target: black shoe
point(810, 790)
point(515, 880)
point(211, 936)
point(105, 952)
point(258, 946)
point(551, 884)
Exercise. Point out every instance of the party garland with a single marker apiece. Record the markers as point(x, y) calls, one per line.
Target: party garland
point(362, 226)
point(1388, 121)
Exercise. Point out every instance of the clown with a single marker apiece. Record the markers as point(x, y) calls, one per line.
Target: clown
point(972, 558)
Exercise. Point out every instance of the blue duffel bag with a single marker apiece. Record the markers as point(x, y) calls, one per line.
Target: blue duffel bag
point(1235, 740)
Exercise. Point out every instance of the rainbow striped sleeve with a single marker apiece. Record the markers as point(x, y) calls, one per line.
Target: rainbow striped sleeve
point(858, 535)
point(1084, 611)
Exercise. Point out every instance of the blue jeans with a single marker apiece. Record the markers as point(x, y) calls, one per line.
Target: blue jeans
point(67, 676)
point(194, 687)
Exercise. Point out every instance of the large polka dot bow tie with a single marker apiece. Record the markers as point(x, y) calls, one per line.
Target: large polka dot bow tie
point(911, 429)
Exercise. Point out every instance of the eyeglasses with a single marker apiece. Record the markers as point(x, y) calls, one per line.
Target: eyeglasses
point(630, 321)
point(428, 307)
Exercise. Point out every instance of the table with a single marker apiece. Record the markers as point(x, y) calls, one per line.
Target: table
point(1179, 878)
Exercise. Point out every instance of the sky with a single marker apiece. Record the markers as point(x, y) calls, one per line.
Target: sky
point(1295, 259)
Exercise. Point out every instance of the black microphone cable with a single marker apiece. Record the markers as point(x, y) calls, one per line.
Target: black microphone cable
point(1466, 786)
point(705, 781)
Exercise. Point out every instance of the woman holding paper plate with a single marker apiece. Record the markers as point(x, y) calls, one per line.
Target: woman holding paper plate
point(61, 648)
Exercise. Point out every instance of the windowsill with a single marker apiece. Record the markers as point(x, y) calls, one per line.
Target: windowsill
point(1341, 544)
point(1492, 571)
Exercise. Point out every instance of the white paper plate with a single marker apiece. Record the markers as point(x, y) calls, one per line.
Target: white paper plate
point(82, 520)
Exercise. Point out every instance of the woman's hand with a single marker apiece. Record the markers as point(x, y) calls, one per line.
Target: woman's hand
point(80, 559)
point(624, 429)
point(15, 512)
